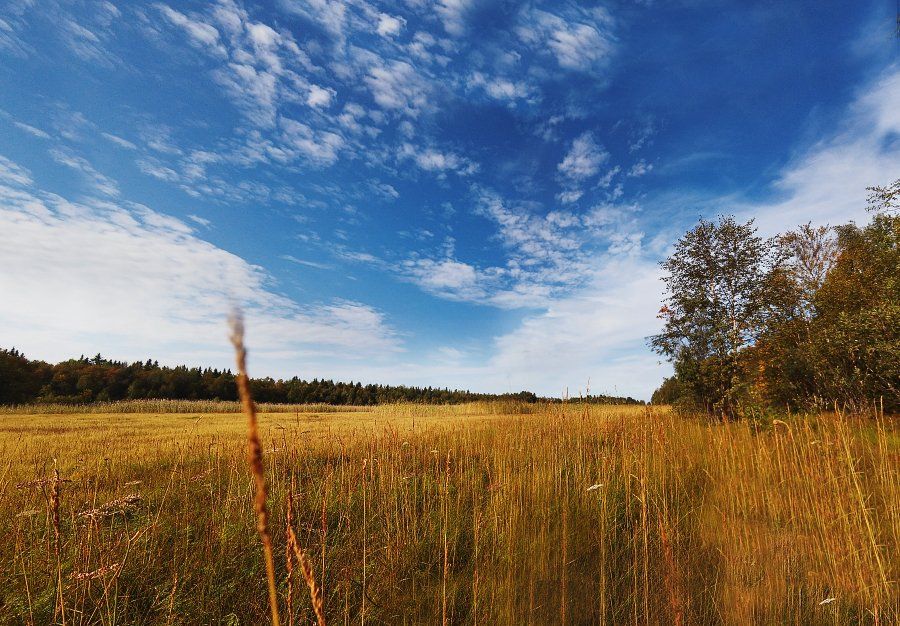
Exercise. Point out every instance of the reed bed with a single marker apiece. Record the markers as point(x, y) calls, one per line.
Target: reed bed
point(553, 514)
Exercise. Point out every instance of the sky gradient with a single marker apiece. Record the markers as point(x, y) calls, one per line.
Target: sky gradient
point(460, 193)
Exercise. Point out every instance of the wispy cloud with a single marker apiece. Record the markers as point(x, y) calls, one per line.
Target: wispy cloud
point(435, 160)
point(579, 39)
point(584, 158)
point(145, 282)
point(32, 130)
point(502, 88)
point(13, 173)
point(826, 182)
point(304, 262)
point(594, 335)
point(640, 168)
point(389, 25)
point(397, 86)
point(548, 256)
point(453, 14)
point(201, 34)
point(119, 141)
point(100, 182)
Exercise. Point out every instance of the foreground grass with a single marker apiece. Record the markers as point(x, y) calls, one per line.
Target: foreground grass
point(472, 514)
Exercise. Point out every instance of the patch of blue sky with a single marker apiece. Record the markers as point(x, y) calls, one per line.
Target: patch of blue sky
point(464, 192)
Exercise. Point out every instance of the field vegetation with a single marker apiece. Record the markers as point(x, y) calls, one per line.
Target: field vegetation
point(481, 513)
point(762, 486)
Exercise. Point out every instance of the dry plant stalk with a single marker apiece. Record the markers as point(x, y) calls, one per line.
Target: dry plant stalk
point(254, 457)
point(288, 554)
point(54, 511)
point(315, 594)
point(446, 572)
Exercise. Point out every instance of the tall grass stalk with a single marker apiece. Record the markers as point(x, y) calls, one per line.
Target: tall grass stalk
point(254, 458)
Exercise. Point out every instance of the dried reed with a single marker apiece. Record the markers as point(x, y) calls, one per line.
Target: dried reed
point(254, 457)
point(54, 512)
point(288, 553)
point(315, 594)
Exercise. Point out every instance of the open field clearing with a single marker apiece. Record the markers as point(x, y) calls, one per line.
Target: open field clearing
point(483, 513)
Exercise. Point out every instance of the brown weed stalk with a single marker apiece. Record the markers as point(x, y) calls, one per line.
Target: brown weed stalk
point(288, 553)
point(54, 512)
point(315, 593)
point(254, 457)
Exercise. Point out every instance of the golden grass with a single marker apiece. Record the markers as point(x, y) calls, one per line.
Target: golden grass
point(171, 406)
point(469, 514)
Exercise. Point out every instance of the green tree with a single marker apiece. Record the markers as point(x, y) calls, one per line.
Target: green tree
point(785, 368)
point(856, 332)
point(669, 392)
point(718, 297)
point(19, 379)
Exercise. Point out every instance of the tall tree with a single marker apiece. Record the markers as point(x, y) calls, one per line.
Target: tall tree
point(718, 293)
point(856, 332)
point(784, 368)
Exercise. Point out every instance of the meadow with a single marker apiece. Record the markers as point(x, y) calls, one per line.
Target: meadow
point(484, 513)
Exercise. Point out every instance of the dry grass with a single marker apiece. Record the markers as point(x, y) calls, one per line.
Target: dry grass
point(171, 406)
point(549, 514)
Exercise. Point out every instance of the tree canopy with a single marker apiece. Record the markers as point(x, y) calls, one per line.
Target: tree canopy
point(806, 319)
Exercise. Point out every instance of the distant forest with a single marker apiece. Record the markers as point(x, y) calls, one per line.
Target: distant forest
point(85, 380)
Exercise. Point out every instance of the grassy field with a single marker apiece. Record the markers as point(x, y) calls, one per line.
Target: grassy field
point(474, 514)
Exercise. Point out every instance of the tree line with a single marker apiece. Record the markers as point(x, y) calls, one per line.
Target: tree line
point(803, 320)
point(96, 379)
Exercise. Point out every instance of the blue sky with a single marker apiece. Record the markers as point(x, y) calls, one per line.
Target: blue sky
point(461, 193)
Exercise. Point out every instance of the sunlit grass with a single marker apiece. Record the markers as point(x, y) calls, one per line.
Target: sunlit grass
point(481, 513)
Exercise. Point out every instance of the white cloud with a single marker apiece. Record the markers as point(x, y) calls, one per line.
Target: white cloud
point(596, 334)
point(138, 283)
point(446, 277)
point(389, 26)
point(98, 181)
point(320, 147)
point(569, 196)
point(202, 221)
point(452, 14)
point(158, 171)
point(201, 33)
point(607, 178)
point(13, 173)
point(578, 39)
point(31, 130)
point(396, 85)
point(548, 257)
point(12, 24)
point(319, 97)
point(122, 143)
point(584, 158)
point(826, 183)
point(592, 336)
point(86, 37)
point(640, 168)
point(332, 15)
point(293, 259)
point(500, 88)
point(254, 90)
point(434, 160)
point(264, 68)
